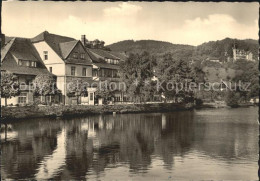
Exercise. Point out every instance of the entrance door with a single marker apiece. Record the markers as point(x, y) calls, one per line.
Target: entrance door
point(91, 98)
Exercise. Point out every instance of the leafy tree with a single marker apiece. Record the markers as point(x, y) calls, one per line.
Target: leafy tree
point(9, 86)
point(197, 72)
point(173, 75)
point(77, 88)
point(137, 72)
point(232, 99)
point(247, 72)
point(44, 85)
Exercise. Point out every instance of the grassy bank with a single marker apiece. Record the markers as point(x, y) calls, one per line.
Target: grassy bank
point(14, 113)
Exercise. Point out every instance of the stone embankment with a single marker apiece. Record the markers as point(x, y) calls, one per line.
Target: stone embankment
point(23, 112)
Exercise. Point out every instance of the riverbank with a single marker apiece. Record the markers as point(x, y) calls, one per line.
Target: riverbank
point(215, 105)
point(16, 113)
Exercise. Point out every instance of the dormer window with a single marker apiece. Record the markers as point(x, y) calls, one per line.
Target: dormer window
point(27, 63)
point(20, 62)
point(33, 64)
point(45, 55)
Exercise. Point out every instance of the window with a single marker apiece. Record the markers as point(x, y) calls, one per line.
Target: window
point(109, 60)
point(26, 63)
point(22, 98)
point(84, 72)
point(115, 73)
point(117, 99)
point(95, 73)
point(73, 69)
point(20, 62)
point(75, 55)
point(82, 56)
point(50, 69)
point(45, 55)
point(33, 64)
point(102, 73)
point(112, 61)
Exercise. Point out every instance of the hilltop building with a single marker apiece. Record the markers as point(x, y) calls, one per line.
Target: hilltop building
point(242, 54)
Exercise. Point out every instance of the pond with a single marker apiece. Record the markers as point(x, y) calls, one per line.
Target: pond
point(199, 144)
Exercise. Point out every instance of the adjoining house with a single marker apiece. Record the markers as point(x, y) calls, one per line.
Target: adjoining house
point(20, 57)
point(66, 58)
point(106, 67)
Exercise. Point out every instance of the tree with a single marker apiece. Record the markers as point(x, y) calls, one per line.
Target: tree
point(247, 72)
point(197, 72)
point(173, 75)
point(105, 91)
point(44, 85)
point(232, 99)
point(137, 73)
point(9, 86)
point(77, 88)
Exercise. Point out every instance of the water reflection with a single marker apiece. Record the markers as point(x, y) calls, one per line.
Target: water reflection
point(132, 146)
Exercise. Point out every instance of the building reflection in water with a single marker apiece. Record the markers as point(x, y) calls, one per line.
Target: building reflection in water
point(83, 148)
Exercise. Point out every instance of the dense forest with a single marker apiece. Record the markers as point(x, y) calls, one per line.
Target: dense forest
point(153, 47)
point(218, 49)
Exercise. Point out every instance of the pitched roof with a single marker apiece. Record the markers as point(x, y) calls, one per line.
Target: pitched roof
point(121, 56)
point(67, 47)
point(53, 41)
point(62, 46)
point(26, 70)
point(103, 53)
point(8, 38)
point(21, 48)
point(6, 48)
point(95, 58)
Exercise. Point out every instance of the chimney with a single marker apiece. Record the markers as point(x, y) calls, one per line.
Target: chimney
point(2, 40)
point(83, 39)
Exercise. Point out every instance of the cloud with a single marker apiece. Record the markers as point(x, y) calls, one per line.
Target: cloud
point(192, 31)
point(117, 23)
point(124, 9)
point(217, 26)
point(120, 21)
point(214, 27)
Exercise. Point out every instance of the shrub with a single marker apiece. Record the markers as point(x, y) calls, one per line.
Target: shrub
point(198, 102)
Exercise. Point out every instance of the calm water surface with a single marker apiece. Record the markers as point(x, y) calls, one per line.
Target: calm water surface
point(202, 144)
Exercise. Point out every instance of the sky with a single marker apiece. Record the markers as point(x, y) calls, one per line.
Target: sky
point(190, 23)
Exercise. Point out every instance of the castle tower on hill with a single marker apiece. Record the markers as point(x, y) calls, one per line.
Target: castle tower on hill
point(241, 54)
